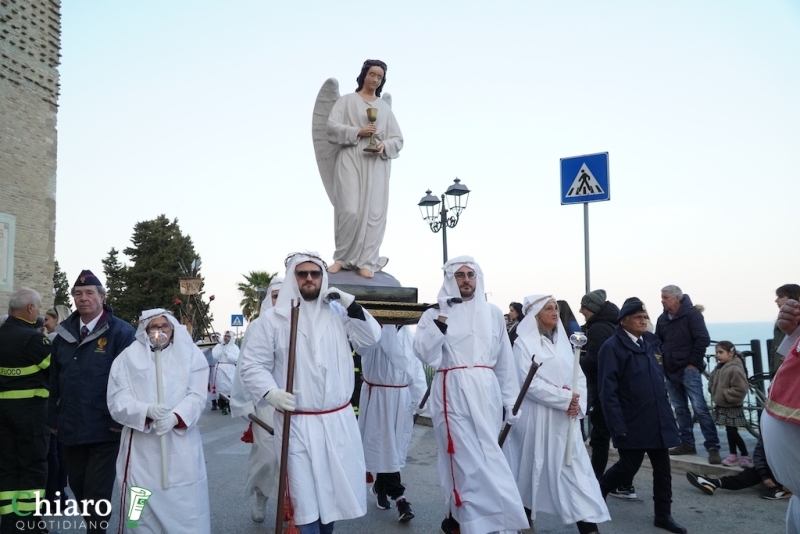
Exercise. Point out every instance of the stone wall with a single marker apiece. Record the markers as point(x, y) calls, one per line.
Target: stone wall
point(30, 44)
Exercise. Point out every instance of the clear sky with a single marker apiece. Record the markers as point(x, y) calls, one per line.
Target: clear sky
point(201, 110)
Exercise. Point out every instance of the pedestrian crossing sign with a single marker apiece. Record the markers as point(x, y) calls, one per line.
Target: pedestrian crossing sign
point(237, 320)
point(585, 179)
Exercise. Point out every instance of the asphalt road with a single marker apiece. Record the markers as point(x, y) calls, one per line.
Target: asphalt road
point(741, 512)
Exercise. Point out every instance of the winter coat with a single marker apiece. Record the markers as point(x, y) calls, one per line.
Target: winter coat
point(633, 394)
point(598, 329)
point(684, 339)
point(728, 384)
point(79, 378)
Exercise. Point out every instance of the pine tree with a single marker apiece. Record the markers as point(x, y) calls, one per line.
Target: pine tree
point(61, 287)
point(115, 279)
point(254, 291)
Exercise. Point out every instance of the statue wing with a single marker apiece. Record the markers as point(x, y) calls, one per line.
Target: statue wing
point(325, 151)
point(388, 99)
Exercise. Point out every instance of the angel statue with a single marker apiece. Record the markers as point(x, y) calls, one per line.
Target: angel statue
point(357, 181)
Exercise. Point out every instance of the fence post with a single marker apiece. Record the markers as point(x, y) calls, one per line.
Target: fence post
point(758, 362)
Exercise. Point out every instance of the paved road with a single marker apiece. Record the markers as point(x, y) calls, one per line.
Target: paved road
point(741, 512)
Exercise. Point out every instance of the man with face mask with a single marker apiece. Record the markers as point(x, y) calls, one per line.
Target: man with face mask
point(226, 354)
point(465, 340)
point(262, 466)
point(133, 402)
point(326, 460)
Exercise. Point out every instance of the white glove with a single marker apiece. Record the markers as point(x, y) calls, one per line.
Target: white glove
point(158, 411)
point(166, 424)
point(281, 399)
point(334, 293)
point(510, 417)
point(446, 303)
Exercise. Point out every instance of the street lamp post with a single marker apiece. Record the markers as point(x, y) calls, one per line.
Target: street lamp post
point(435, 211)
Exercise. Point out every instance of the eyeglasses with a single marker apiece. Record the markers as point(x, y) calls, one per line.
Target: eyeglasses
point(462, 275)
point(163, 327)
point(305, 274)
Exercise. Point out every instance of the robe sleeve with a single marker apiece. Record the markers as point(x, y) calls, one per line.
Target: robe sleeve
point(124, 408)
point(504, 367)
point(340, 132)
point(429, 340)
point(392, 139)
point(419, 384)
point(190, 408)
point(258, 362)
point(609, 369)
point(362, 334)
point(216, 352)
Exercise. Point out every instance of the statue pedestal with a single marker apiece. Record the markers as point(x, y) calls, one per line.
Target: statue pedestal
point(382, 296)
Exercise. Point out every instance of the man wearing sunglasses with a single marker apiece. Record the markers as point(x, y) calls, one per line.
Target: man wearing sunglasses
point(465, 340)
point(326, 459)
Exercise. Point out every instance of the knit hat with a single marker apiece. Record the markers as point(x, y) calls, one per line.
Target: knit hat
point(631, 306)
point(594, 300)
point(87, 278)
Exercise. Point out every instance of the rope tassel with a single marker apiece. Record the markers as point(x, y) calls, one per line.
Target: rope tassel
point(458, 498)
point(450, 448)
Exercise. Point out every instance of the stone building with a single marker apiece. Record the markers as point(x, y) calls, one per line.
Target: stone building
point(30, 44)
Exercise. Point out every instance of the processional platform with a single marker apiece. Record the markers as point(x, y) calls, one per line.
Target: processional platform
point(383, 296)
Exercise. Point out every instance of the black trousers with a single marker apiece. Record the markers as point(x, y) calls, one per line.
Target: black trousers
point(24, 440)
point(599, 438)
point(91, 470)
point(390, 485)
point(630, 460)
point(56, 472)
point(746, 478)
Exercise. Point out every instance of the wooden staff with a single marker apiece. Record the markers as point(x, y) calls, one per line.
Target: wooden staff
point(252, 417)
point(521, 397)
point(282, 477)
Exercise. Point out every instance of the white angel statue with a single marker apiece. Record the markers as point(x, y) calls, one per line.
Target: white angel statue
point(357, 182)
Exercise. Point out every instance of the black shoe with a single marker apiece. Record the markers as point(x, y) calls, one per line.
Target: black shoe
point(404, 510)
point(213, 405)
point(683, 448)
point(450, 526)
point(627, 494)
point(382, 499)
point(667, 523)
point(776, 493)
point(703, 483)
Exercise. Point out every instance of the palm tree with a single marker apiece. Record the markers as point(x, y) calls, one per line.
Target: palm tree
point(254, 290)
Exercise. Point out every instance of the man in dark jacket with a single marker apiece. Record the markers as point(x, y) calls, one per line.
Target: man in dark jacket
point(601, 320)
point(684, 339)
point(637, 410)
point(746, 478)
point(24, 438)
point(86, 345)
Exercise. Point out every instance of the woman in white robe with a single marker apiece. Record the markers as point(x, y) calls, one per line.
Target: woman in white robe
point(226, 354)
point(537, 444)
point(133, 402)
point(262, 465)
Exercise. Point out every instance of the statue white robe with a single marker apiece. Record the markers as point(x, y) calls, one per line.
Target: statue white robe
point(480, 379)
point(394, 384)
point(184, 506)
point(361, 180)
point(326, 461)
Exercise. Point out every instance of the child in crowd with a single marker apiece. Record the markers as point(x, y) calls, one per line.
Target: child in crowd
point(728, 386)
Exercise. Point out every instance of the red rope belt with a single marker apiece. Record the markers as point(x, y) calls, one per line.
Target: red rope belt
point(450, 448)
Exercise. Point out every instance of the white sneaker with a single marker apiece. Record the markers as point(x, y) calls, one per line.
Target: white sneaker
point(259, 511)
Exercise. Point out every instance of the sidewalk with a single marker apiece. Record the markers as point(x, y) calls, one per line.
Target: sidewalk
point(680, 464)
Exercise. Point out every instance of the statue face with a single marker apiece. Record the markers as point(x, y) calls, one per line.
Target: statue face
point(374, 78)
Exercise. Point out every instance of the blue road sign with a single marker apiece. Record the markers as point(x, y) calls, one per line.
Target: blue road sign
point(585, 179)
point(237, 320)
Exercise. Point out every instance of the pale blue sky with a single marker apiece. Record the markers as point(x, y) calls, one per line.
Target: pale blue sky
point(202, 111)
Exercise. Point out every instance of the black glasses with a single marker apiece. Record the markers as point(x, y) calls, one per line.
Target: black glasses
point(462, 275)
point(305, 274)
point(166, 327)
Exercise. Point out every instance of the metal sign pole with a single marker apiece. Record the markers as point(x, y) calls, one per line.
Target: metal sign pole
point(586, 242)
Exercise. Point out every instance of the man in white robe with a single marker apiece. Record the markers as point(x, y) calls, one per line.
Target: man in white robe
point(466, 342)
point(226, 354)
point(537, 444)
point(262, 465)
point(393, 386)
point(361, 179)
point(326, 461)
point(133, 402)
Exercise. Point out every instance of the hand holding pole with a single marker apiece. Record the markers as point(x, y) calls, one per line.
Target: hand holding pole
point(521, 397)
point(578, 339)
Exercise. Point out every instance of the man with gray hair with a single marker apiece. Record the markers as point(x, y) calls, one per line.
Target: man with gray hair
point(24, 439)
point(88, 341)
point(684, 339)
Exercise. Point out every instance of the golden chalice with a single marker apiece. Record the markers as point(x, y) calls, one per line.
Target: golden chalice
point(372, 116)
